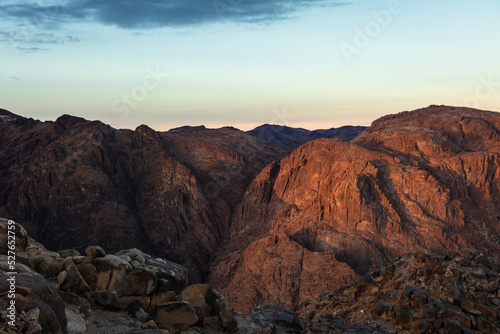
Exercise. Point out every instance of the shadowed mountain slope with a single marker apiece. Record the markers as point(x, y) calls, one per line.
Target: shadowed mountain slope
point(74, 182)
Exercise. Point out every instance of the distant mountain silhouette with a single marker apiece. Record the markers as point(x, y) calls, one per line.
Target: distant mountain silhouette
point(289, 138)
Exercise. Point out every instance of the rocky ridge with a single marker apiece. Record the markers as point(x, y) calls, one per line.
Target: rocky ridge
point(75, 183)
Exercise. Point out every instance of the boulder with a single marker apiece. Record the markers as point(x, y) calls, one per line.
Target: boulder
point(279, 316)
point(21, 237)
point(76, 324)
point(47, 263)
point(110, 271)
point(42, 296)
point(180, 315)
point(213, 324)
point(21, 302)
point(94, 252)
point(159, 298)
point(89, 273)
point(138, 282)
point(249, 325)
point(135, 309)
point(107, 299)
point(201, 295)
point(144, 300)
point(74, 281)
point(225, 314)
point(135, 254)
point(80, 304)
point(212, 303)
point(49, 320)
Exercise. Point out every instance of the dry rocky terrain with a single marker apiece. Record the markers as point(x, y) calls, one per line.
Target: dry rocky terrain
point(259, 225)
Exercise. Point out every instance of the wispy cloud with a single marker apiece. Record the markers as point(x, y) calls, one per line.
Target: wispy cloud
point(18, 79)
point(30, 49)
point(150, 14)
point(32, 40)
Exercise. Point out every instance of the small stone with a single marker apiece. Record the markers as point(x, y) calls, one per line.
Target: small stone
point(34, 329)
point(151, 324)
point(135, 309)
point(382, 309)
point(475, 312)
point(21, 303)
point(76, 324)
point(69, 253)
point(484, 325)
point(452, 326)
point(33, 315)
point(404, 319)
point(107, 299)
point(213, 323)
point(62, 276)
point(487, 312)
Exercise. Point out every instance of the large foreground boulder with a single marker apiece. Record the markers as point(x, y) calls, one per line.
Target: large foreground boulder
point(51, 306)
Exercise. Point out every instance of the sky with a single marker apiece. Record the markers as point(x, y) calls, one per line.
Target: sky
point(302, 63)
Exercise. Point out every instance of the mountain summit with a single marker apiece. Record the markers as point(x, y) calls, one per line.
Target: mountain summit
point(426, 180)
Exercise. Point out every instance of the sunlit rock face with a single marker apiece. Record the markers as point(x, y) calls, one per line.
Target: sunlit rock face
point(426, 180)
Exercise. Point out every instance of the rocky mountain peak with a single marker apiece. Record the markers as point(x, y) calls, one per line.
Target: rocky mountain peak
point(425, 180)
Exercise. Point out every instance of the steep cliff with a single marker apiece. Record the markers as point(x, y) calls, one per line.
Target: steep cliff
point(426, 180)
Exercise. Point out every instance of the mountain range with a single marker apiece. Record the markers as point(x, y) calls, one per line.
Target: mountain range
point(273, 215)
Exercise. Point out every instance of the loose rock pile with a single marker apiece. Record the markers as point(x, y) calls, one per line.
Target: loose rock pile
point(66, 292)
point(61, 292)
point(420, 293)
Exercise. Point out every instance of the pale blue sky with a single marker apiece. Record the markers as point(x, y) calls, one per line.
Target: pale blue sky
point(258, 62)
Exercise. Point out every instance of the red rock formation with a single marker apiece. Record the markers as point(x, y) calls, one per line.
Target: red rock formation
point(423, 180)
